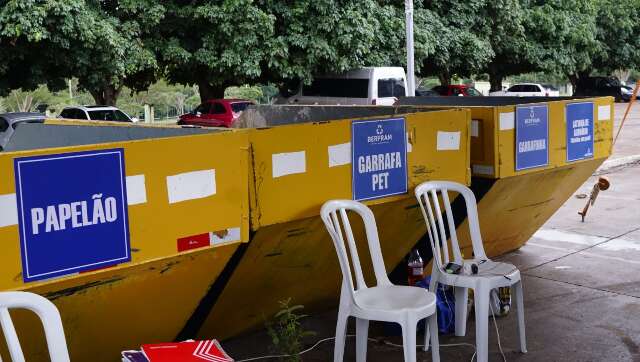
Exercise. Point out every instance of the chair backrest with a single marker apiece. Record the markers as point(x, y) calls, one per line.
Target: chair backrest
point(49, 317)
point(431, 195)
point(334, 215)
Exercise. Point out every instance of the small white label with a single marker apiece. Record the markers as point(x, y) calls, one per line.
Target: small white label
point(475, 128)
point(448, 141)
point(232, 234)
point(604, 113)
point(191, 185)
point(482, 169)
point(288, 163)
point(339, 154)
point(507, 121)
point(136, 190)
point(8, 210)
point(409, 145)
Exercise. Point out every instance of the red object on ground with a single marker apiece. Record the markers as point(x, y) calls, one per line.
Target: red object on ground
point(186, 352)
point(194, 242)
point(215, 113)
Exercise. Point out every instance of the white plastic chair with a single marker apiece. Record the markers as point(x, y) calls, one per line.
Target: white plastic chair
point(49, 316)
point(490, 274)
point(383, 302)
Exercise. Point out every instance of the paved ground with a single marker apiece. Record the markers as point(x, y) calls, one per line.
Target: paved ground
point(581, 283)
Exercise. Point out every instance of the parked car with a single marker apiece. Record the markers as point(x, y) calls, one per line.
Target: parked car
point(599, 86)
point(215, 113)
point(528, 90)
point(10, 121)
point(422, 92)
point(626, 93)
point(96, 113)
point(371, 85)
point(460, 90)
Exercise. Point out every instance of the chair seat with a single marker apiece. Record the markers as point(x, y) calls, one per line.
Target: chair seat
point(497, 273)
point(394, 298)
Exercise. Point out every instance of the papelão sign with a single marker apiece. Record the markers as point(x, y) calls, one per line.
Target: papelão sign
point(72, 212)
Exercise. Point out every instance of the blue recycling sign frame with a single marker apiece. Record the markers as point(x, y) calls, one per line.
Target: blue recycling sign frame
point(532, 136)
point(579, 121)
point(378, 158)
point(72, 212)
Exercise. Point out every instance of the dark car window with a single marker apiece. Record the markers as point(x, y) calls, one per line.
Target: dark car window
point(456, 91)
point(109, 115)
point(217, 108)
point(337, 87)
point(240, 106)
point(515, 88)
point(530, 88)
point(392, 87)
point(473, 92)
point(66, 113)
point(203, 108)
point(3, 125)
point(440, 89)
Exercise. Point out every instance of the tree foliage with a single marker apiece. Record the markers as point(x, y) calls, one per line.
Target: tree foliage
point(111, 45)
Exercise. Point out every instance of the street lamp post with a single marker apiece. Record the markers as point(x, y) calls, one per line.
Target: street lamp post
point(411, 78)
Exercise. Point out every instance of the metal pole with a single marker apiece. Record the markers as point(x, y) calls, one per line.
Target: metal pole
point(411, 77)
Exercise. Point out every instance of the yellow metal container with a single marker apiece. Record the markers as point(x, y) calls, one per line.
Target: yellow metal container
point(281, 251)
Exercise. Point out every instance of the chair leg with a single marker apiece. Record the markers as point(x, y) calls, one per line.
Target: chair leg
point(462, 296)
point(409, 340)
point(481, 296)
point(433, 286)
point(362, 334)
point(435, 345)
point(516, 293)
point(341, 333)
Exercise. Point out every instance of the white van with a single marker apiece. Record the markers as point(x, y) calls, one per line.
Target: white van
point(372, 85)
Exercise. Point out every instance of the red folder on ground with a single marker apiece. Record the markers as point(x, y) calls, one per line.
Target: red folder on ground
point(191, 351)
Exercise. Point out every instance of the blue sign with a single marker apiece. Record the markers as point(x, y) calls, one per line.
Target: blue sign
point(532, 137)
point(378, 158)
point(579, 131)
point(72, 212)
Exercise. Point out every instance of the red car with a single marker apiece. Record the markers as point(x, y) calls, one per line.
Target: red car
point(215, 113)
point(456, 90)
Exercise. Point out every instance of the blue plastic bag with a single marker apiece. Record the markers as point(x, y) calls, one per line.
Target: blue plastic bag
point(445, 306)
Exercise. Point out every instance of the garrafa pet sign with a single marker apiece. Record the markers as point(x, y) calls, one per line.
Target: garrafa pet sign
point(379, 158)
point(72, 212)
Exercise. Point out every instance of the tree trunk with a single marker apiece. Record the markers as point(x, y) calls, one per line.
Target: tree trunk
point(495, 80)
point(445, 78)
point(573, 78)
point(208, 91)
point(107, 96)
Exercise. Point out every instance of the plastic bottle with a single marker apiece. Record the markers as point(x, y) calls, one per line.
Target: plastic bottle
point(415, 267)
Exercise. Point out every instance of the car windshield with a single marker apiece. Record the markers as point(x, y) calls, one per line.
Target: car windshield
point(473, 92)
point(240, 106)
point(109, 115)
point(549, 87)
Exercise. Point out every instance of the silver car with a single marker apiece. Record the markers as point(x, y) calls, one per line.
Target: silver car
point(9, 122)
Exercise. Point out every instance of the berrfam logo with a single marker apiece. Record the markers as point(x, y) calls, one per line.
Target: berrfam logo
point(380, 137)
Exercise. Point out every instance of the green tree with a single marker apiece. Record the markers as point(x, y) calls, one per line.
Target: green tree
point(97, 42)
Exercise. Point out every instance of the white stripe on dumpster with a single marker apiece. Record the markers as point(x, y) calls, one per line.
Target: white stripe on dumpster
point(475, 128)
point(448, 141)
point(136, 190)
point(339, 154)
point(191, 185)
point(507, 121)
point(8, 210)
point(604, 113)
point(409, 144)
point(288, 163)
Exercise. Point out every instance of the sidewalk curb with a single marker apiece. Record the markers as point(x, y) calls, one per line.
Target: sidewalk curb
point(617, 162)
